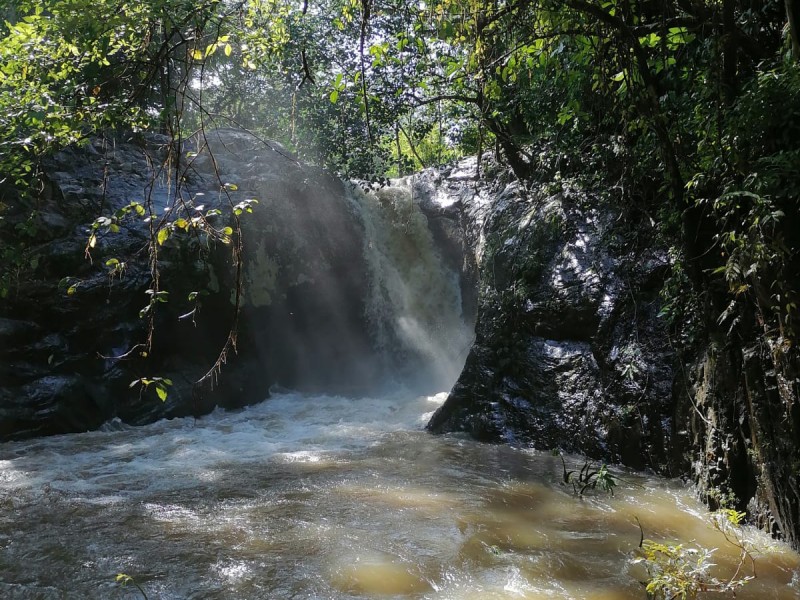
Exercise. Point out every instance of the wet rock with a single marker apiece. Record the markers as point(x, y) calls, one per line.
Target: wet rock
point(71, 337)
point(569, 351)
point(75, 332)
point(48, 405)
point(14, 331)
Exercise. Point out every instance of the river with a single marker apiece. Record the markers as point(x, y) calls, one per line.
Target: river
point(332, 497)
point(328, 497)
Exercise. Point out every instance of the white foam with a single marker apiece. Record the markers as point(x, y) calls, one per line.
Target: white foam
point(106, 467)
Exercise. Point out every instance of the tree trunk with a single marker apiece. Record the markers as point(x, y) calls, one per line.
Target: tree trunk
point(399, 150)
point(793, 17)
point(730, 59)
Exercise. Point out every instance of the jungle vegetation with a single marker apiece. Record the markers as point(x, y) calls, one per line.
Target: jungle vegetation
point(694, 105)
point(685, 112)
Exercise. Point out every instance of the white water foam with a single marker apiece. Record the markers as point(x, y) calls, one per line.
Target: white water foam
point(289, 427)
point(414, 304)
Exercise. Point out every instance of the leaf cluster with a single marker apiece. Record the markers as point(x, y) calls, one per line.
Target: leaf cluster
point(588, 477)
point(678, 571)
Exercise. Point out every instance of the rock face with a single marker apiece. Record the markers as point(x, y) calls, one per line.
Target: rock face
point(65, 316)
point(313, 314)
point(569, 352)
point(304, 276)
point(740, 407)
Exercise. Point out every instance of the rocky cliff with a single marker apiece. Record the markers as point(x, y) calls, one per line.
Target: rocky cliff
point(572, 350)
point(569, 351)
point(339, 291)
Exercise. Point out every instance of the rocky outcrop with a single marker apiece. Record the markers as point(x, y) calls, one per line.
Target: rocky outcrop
point(75, 328)
point(572, 352)
point(304, 275)
point(739, 403)
point(569, 350)
point(64, 316)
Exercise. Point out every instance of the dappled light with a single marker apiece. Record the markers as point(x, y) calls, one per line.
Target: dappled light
point(438, 300)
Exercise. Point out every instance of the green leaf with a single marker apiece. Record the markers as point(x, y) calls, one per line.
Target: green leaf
point(162, 392)
point(334, 96)
point(163, 235)
point(227, 231)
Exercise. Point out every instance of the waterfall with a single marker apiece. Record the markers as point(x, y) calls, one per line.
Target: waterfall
point(341, 292)
point(349, 291)
point(413, 305)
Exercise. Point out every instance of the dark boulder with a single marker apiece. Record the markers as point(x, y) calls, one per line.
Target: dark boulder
point(569, 351)
point(313, 313)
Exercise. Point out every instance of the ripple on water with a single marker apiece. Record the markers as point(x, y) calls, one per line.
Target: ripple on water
point(302, 498)
point(377, 574)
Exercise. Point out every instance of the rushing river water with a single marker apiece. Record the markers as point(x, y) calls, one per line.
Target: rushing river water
point(329, 497)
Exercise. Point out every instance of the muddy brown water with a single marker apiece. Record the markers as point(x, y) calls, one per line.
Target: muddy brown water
point(335, 498)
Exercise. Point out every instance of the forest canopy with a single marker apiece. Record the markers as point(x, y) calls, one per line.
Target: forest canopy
point(370, 86)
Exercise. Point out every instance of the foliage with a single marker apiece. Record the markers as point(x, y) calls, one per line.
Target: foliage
point(338, 77)
point(50, 92)
point(159, 384)
point(72, 69)
point(124, 579)
point(677, 571)
point(588, 477)
point(749, 188)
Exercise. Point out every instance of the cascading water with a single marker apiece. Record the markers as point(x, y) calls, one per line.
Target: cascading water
point(345, 290)
point(325, 496)
point(413, 305)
